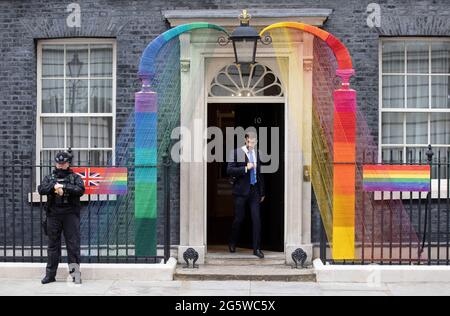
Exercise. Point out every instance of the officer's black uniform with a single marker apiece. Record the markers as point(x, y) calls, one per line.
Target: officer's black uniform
point(63, 215)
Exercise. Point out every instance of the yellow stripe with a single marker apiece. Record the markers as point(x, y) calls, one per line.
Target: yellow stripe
point(343, 243)
point(117, 178)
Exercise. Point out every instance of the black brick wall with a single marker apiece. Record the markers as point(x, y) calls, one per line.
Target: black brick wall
point(135, 23)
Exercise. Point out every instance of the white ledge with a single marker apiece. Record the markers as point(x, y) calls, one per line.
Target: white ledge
point(376, 274)
point(260, 17)
point(37, 198)
point(116, 272)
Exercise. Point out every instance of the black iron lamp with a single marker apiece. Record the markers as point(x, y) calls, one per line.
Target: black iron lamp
point(245, 41)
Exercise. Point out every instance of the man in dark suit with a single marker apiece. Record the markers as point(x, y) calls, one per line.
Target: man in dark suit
point(248, 189)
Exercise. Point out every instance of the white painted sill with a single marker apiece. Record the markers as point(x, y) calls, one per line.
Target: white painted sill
point(36, 198)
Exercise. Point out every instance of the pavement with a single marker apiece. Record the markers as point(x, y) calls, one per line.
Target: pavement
point(218, 288)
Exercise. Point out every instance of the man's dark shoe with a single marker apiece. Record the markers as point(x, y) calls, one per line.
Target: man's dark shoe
point(232, 248)
point(48, 280)
point(259, 254)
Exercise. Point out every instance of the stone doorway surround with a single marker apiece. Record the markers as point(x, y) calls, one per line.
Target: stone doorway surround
point(199, 55)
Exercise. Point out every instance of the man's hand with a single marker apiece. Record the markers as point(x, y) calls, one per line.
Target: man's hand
point(250, 166)
point(263, 198)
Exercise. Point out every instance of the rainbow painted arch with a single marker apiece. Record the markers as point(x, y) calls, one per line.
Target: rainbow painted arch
point(340, 51)
point(344, 176)
point(147, 64)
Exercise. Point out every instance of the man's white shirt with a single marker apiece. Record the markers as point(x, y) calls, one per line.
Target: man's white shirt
point(247, 153)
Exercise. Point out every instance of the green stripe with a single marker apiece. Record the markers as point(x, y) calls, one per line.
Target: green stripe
point(145, 237)
point(145, 201)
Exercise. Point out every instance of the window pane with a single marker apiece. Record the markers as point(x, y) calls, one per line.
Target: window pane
point(441, 92)
point(440, 56)
point(77, 61)
point(218, 91)
point(92, 158)
point(52, 96)
point(233, 73)
point(440, 128)
point(392, 128)
point(416, 155)
point(419, 156)
point(47, 160)
point(418, 92)
point(100, 158)
point(417, 128)
point(418, 57)
point(101, 96)
point(440, 155)
point(80, 158)
point(53, 133)
point(101, 60)
point(393, 91)
point(77, 132)
point(392, 155)
point(258, 72)
point(101, 132)
point(77, 96)
point(52, 61)
point(393, 57)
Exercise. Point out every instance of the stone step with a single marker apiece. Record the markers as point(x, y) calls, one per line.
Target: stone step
point(244, 262)
point(244, 258)
point(280, 273)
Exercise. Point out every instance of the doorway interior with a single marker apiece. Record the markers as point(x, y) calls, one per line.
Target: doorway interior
point(220, 209)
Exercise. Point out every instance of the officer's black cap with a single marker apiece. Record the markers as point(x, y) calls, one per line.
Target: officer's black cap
point(63, 157)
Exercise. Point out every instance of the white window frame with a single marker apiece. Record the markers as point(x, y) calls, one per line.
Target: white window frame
point(406, 110)
point(40, 115)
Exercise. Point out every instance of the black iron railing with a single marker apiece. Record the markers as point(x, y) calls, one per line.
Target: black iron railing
point(396, 228)
point(107, 221)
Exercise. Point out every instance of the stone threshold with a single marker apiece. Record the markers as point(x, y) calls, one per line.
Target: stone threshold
point(278, 273)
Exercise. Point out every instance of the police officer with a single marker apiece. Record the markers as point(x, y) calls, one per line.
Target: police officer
point(63, 189)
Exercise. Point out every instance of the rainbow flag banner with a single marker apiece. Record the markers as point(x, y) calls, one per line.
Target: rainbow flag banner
point(397, 178)
point(104, 180)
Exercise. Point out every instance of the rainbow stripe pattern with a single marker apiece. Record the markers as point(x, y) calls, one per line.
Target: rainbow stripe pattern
point(146, 159)
point(340, 51)
point(147, 64)
point(104, 180)
point(344, 167)
point(146, 144)
point(397, 178)
point(344, 173)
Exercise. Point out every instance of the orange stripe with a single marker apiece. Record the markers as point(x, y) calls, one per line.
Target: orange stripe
point(339, 49)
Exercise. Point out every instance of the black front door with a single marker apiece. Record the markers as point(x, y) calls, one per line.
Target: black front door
point(220, 200)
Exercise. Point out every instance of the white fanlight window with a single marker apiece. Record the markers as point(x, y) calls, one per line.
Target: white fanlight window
point(76, 100)
point(246, 81)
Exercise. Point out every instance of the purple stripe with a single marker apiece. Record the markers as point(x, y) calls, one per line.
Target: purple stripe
point(396, 187)
point(146, 102)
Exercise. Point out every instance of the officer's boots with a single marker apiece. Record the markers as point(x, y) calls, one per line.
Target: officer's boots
point(75, 273)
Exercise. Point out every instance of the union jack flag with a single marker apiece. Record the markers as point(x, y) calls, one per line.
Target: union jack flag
point(91, 178)
point(104, 180)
